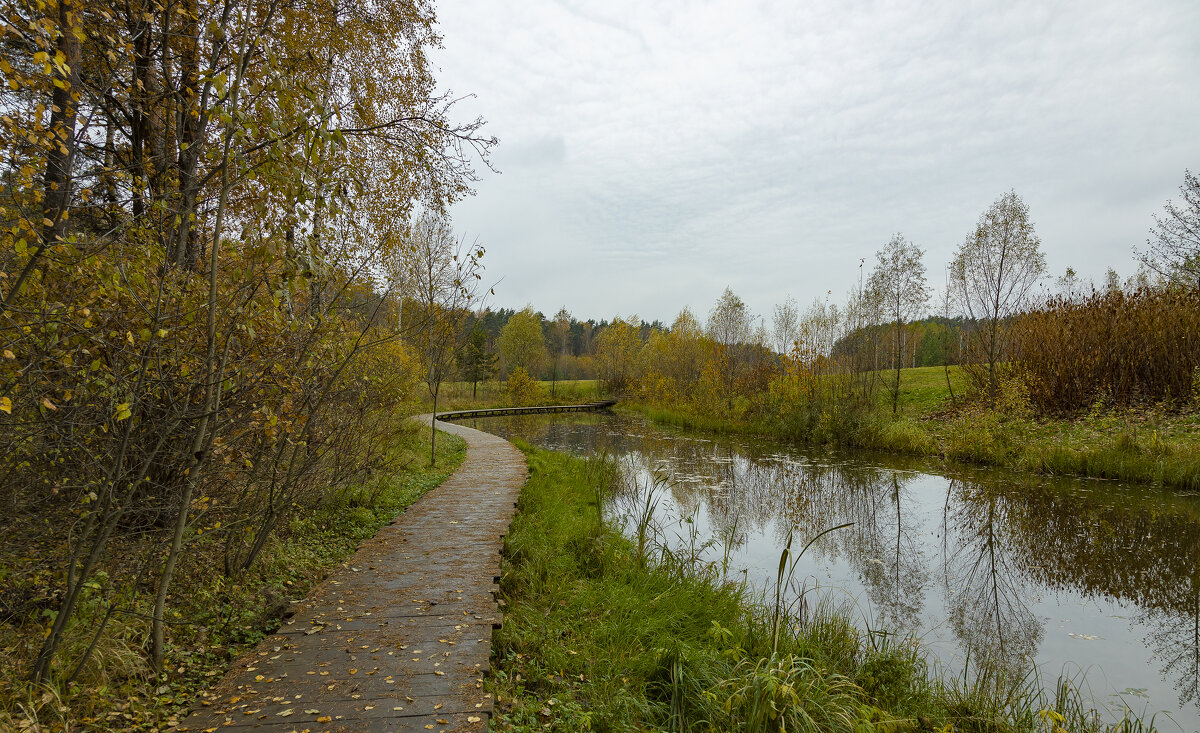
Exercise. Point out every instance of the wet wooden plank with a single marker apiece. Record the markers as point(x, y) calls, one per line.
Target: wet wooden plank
point(399, 637)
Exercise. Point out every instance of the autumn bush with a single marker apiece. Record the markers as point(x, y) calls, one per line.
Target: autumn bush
point(102, 405)
point(1121, 348)
point(521, 388)
point(200, 239)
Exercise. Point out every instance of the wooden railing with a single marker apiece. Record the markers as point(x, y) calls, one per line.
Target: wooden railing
point(499, 411)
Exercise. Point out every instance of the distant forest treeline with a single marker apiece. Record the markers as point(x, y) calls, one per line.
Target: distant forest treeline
point(934, 341)
point(1022, 338)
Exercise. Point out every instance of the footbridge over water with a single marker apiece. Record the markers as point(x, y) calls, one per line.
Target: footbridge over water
point(501, 411)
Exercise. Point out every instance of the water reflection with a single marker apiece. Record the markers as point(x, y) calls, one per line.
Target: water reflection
point(886, 552)
point(993, 570)
point(1137, 548)
point(987, 583)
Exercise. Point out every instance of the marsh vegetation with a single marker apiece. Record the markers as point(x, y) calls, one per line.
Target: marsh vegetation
point(657, 625)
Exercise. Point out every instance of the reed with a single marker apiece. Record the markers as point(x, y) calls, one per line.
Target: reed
point(599, 635)
point(1124, 348)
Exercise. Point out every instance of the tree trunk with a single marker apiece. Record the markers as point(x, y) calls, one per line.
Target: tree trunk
point(213, 373)
point(61, 153)
point(433, 432)
point(899, 357)
point(140, 129)
point(183, 247)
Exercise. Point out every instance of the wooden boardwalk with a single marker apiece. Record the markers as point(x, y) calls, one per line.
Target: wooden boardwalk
point(399, 637)
point(540, 409)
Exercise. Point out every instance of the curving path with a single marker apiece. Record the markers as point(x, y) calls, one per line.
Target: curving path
point(398, 638)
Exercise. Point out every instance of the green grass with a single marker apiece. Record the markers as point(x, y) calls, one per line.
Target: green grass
point(1150, 445)
point(458, 396)
point(923, 389)
point(595, 637)
point(690, 420)
point(215, 619)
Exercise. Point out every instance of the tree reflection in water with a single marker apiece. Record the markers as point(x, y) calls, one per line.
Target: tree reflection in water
point(986, 591)
point(1117, 544)
point(891, 562)
point(1175, 638)
point(1006, 539)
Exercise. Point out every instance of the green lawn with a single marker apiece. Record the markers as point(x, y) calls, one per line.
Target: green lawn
point(923, 389)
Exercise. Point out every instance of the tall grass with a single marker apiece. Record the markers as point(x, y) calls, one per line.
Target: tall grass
point(596, 638)
point(1127, 348)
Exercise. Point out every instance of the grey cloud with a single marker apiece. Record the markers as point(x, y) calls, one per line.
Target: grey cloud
point(803, 135)
point(542, 151)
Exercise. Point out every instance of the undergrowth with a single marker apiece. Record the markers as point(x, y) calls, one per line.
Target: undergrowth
point(214, 618)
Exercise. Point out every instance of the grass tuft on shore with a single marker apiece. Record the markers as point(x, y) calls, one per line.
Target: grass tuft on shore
point(597, 638)
point(1150, 445)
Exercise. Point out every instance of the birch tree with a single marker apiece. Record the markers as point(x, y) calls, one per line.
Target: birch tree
point(898, 284)
point(785, 325)
point(560, 331)
point(1173, 250)
point(729, 326)
point(444, 277)
point(991, 276)
point(522, 343)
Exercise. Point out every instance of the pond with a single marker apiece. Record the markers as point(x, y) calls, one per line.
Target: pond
point(1092, 580)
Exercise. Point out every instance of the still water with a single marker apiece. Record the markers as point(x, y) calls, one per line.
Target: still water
point(1094, 580)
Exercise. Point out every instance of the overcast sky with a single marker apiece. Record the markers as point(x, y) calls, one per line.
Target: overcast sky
point(653, 153)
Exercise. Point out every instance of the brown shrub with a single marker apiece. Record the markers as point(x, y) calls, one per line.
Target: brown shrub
point(1126, 348)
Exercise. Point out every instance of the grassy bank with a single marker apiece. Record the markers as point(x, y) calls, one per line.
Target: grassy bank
point(600, 636)
point(459, 395)
point(1148, 446)
point(215, 618)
